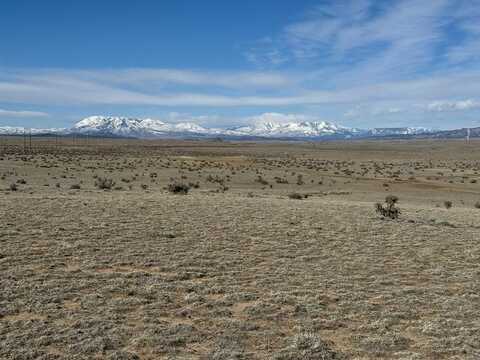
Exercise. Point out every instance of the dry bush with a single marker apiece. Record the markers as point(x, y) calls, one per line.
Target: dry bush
point(13, 187)
point(194, 185)
point(477, 205)
point(448, 204)
point(389, 209)
point(297, 196)
point(178, 188)
point(104, 183)
point(300, 179)
point(261, 180)
point(280, 180)
point(308, 346)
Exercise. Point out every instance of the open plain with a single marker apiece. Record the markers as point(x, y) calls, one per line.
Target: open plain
point(275, 252)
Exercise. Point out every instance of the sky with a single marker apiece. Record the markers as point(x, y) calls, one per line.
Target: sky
point(357, 63)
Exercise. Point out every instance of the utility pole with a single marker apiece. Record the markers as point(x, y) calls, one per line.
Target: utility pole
point(24, 140)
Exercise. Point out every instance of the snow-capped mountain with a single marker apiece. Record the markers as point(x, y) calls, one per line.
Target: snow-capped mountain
point(268, 125)
point(399, 131)
point(292, 129)
point(133, 127)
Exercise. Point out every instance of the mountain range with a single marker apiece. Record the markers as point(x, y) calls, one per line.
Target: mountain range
point(152, 128)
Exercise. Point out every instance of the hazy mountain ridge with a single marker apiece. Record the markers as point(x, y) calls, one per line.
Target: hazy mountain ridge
point(153, 128)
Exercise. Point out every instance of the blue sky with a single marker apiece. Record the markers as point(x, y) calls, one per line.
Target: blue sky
point(359, 63)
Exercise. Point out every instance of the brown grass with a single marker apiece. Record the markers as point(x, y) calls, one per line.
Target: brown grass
point(247, 273)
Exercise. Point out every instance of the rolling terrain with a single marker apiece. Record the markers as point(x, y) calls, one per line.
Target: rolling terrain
point(275, 251)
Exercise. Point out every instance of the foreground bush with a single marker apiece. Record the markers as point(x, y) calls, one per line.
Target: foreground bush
point(389, 209)
point(308, 346)
point(297, 196)
point(178, 188)
point(104, 183)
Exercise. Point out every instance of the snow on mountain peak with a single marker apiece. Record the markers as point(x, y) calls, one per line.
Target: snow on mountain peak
point(267, 125)
point(133, 127)
point(289, 125)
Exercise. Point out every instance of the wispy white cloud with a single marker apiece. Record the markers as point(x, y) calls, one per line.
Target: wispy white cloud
point(460, 105)
point(21, 113)
point(161, 78)
point(369, 111)
point(364, 41)
point(67, 88)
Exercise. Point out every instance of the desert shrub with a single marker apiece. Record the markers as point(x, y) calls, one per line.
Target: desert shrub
point(215, 179)
point(21, 181)
point(104, 183)
point(389, 209)
point(222, 188)
point(280, 180)
point(295, 196)
point(448, 204)
point(194, 185)
point(178, 188)
point(144, 186)
point(308, 346)
point(261, 180)
point(13, 187)
point(75, 186)
point(300, 179)
point(477, 205)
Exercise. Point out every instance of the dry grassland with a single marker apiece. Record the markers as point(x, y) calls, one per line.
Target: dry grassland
point(276, 252)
